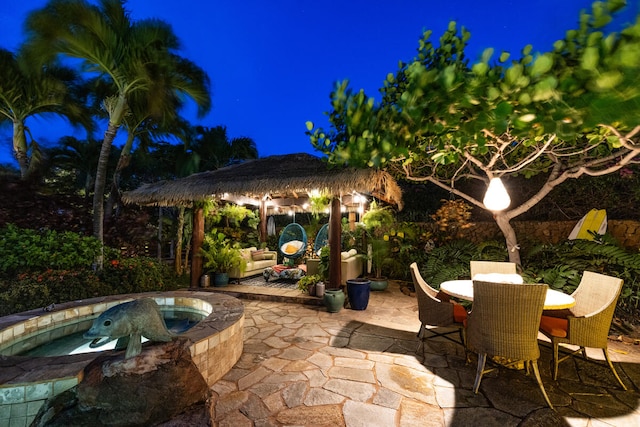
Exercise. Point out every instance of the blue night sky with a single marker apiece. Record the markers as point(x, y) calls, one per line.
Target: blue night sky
point(273, 63)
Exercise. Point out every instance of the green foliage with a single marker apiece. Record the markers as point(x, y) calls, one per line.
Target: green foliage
point(379, 224)
point(139, 274)
point(561, 266)
point(26, 250)
point(39, 289)
point(323, 265)
point(319, 203)
point(306, 281)
point(236, 214)
point(220, 254)
point(451, 260)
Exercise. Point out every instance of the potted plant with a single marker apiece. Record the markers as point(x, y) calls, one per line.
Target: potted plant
point(221, 256)
point(309, 283)
point(333, 298)
point(378, 223)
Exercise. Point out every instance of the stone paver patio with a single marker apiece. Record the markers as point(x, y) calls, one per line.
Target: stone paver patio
point(303, 366)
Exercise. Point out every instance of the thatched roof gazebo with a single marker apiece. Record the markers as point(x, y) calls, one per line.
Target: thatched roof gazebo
point(281, 180)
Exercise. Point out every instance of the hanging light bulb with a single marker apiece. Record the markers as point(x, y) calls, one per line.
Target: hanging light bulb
point(496, 199)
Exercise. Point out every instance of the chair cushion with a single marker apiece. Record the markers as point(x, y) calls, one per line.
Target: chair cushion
point(459, 313)
point(291, 247)
point(554, 326)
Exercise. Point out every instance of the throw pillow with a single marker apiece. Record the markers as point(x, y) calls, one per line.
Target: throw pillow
point(291, 247)
point(257, 255)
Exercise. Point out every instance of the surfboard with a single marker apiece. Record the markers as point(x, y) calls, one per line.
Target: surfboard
point(595, 221)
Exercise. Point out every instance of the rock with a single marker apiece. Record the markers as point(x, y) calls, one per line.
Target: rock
point(153, 387)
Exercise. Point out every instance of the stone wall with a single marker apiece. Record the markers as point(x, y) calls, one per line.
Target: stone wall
point(626, 232)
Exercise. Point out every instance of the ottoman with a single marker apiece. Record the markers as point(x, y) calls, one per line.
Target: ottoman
point(280, 271)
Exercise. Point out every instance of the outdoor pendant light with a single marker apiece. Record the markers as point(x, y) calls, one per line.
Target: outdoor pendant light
point(496, 199)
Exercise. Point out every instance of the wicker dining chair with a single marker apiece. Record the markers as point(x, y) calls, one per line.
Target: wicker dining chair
point(435, 309)
point(588, 322)
point(504, 323)
point(486, 267)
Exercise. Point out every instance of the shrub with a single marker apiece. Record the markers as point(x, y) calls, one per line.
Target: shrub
point(33, 290)
point(26, 250)
point(40, 289)
point(140, 274)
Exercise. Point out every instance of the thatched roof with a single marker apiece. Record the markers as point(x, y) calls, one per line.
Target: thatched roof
point(290, 175)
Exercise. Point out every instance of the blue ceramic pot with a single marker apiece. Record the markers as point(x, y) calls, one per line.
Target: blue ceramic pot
point(221, 279)
point(358, 291)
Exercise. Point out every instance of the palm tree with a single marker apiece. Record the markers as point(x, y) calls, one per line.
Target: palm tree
point(136, 57)
point(216, 150)
point(28, 88)
point(79, 158)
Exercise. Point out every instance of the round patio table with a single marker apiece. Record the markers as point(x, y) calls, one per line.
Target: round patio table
point(463, 289)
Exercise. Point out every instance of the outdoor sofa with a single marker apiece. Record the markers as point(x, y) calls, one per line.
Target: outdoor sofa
point(257, 260)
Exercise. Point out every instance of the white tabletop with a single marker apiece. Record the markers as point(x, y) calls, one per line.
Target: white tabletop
point(463, 289)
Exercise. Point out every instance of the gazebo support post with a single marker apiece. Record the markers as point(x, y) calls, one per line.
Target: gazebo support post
point(352, 221)
point(263, 220)
point(197, 239)
point(335, 230)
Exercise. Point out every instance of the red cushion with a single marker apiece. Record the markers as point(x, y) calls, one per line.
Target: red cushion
point(459, 313)
point(554, 326)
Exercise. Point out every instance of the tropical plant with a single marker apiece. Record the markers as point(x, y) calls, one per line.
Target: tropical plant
point(220, 255)
point(319, 203)
point(78, 158)
point(323, 265)
point(378, 223)
point(216, 150)
point(138, 59)
point(562, 114)
point(451, 259)
point(29, 88)
point(561, 265)
point(27, 250)
point(306, 281)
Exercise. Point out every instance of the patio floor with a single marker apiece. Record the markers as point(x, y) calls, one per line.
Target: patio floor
point(302, 365)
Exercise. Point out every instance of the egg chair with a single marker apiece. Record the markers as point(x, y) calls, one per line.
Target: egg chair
point(322, 239)
point(293, 241)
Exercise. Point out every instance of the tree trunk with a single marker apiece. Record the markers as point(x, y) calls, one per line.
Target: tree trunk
point(263, 220)
point(178, 258)
point(20, 148)
point(510, 236)
point(198, 238)
point(115, 119)
point(335, 230)
point(123, 162)
point(159, 234)
point(101, 180)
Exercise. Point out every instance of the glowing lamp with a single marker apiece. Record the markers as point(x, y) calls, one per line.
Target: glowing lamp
point(496, 199)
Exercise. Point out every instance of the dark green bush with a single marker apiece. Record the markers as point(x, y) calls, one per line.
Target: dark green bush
point(140, 274)
point(33, 290)
point(40, 289)
point(26, 250)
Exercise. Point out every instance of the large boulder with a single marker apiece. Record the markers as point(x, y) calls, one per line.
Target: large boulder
point(151, 388)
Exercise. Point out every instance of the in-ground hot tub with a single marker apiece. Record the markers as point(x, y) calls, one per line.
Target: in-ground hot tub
point(215, 344)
